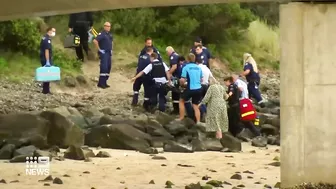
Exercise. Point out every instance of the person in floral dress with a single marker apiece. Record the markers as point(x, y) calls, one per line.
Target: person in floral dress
point(216, 118)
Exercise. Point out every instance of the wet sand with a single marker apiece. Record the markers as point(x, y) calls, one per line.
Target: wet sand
point(136, 170)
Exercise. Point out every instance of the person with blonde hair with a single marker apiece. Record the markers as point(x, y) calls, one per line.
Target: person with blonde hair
point(216, 119)
point(251, 73)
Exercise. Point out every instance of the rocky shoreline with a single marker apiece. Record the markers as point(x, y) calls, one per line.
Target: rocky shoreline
point(33, 124)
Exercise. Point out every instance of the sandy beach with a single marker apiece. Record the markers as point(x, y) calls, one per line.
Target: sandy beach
point(132, 170)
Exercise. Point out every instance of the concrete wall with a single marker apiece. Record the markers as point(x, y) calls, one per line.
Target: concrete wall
point(13, 9)
point(308, 88)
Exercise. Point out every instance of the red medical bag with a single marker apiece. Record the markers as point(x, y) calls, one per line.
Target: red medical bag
point(247, 110)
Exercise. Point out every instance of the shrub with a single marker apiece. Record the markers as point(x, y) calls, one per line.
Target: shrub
point(20, 35)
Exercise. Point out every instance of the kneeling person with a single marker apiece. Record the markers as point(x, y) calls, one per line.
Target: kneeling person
point(160, 73)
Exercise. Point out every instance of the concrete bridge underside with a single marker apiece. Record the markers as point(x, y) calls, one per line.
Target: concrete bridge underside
point(308, 82)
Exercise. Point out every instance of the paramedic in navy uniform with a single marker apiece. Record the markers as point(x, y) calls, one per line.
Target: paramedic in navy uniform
point(149, 43)
point(104, 44)
point(46, 54)
point(197, 42)
point(175, 71)
point(202, 56)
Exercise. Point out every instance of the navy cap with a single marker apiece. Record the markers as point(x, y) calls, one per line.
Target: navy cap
point(198, 40)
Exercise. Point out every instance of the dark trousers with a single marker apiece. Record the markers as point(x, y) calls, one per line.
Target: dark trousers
point(234, 122)
point(45, 85)
point(190, 111)
point(253, 89)
point(105, 68)
point(234, 119)
point(204, 91)
point(146, 82)
point(82, 32)
point(175, 98)
point(159, 91)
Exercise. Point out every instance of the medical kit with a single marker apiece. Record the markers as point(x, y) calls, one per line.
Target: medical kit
point(71, 41)
point(48, 73)
point(247, 110)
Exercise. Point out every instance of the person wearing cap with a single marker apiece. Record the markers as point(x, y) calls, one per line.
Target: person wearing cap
point(197, 42)
point(251, 73)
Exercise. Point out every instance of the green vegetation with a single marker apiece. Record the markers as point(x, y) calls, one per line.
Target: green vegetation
point(228, 30)
point(19, 55)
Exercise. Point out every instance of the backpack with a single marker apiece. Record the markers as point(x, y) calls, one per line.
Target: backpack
point(247, 110)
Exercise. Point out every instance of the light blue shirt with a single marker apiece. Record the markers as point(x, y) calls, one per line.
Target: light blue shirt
point(193, 73)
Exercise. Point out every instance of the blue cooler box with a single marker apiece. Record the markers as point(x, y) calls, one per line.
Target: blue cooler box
point(45, 74)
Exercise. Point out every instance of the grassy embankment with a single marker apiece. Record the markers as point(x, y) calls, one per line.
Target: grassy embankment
point(260, 40)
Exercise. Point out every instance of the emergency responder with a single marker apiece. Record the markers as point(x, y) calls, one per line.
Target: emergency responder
point(251, 73)
point(145, 80)
point(149, 43)
point(197, 42)
point(201, 55)
point(104, 44)
point(175, 71)
point(46, 54)
point(80, 24)
point(160, 73)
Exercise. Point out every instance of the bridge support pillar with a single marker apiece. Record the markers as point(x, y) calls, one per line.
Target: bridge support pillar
point(308, 93)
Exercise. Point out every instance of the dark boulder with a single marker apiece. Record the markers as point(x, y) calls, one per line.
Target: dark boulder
point(230, 142)
point(24, 128)
point(62, 131)
point(118, 136)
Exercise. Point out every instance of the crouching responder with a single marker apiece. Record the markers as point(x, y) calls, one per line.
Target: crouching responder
point(160, 74)
point(145, 80)
point(46, 54)
point(104, 44)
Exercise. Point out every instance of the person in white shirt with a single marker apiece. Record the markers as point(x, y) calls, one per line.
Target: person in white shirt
point(160, 73)
point(242, 85)
point(206, 76)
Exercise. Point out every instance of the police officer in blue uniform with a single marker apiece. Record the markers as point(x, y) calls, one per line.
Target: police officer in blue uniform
point(149, 43)
point(46, 54)
point(253, 78)
point(175, 71)
point(145, 80)
point(159, 71)
point(197, 42)
point(104, 44)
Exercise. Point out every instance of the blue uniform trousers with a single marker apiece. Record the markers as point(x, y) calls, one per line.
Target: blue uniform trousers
point(45, 85)
point(159, 90)
point(253, 89)
point(146, 82)
point(190, 111)
point(204, 91)
point(105, 68)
